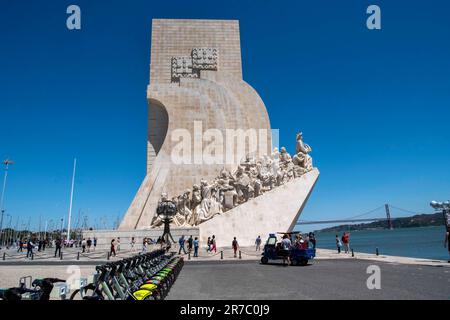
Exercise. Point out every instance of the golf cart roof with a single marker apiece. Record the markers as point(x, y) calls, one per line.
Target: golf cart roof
point(292, 232)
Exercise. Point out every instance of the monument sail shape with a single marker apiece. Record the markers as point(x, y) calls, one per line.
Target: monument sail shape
point(197, 98)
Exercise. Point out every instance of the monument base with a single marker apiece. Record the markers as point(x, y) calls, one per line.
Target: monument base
point(104, 237)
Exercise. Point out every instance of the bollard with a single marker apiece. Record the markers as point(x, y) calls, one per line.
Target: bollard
point(32, 255)
point(240, 257)
point(221, 255)
point(61, 256)
point(353, 254)
point(78, 255)
point(376, 251)
point(189, 255)
point(4, 256)
point(107, 256)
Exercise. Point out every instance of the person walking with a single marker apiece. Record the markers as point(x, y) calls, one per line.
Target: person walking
point(312, 239)
point(89, 244)
point(235, 246)
point(144, 245)
point(83, 245)
point(196, 245)
point(346, 241)
point(95, 242)
point(190, 243)
point(338, 244)
point(213, 244)
point(208, 243)
point(118, 244)
point(30, 246)
point(112, 250)
point(20, 249)
point(181, 243)
point(258, 243)
point(286, 249)
point(132, 243)
point(58, 247)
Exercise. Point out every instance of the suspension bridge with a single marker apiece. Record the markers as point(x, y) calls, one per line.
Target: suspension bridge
point(364, 217)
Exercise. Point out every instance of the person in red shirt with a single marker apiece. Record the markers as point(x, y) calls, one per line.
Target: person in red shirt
point(346, 241)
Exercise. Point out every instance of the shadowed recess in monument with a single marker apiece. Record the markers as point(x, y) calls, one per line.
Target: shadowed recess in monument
point(158, 123)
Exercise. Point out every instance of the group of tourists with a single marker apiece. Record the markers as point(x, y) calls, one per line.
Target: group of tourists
point(87, 244)
point(146, 242)
point(192, 243)
point(31, 244)
point(211, 244)
point(115, 246)
point(301, 242)
point(343, 241)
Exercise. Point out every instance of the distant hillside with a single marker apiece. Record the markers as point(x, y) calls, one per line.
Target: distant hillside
point(420, 220)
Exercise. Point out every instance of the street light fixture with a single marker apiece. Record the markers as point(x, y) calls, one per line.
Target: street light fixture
point(444, 207)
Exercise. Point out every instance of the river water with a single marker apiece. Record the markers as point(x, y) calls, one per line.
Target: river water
point(424, 242)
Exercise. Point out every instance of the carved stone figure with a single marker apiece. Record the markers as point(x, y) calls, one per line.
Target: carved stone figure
point(183, 209)
point(302, 150)
point(227, 193)
point(195, 203)
point(242, 185)
point(209, 205)
point(252, 178)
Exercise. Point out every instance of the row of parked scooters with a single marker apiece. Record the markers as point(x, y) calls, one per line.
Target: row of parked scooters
point(146, 276)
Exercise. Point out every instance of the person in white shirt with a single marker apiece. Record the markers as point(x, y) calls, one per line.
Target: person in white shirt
point(286, 249)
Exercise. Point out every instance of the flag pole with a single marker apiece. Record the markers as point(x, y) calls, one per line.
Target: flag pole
point(71, 198)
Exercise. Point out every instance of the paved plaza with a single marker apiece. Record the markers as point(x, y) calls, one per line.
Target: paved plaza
point(330, 276)
point(325, 279)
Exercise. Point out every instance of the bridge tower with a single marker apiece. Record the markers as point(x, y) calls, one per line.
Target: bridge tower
point(388, 216)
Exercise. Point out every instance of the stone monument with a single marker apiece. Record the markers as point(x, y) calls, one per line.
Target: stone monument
point(225, 186)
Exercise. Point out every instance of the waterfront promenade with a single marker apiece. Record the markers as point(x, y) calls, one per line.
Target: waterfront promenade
point(72, 255)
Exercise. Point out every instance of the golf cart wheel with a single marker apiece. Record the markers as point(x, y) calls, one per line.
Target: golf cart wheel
point(264, 260)
point(294, 262)
point(303, 262)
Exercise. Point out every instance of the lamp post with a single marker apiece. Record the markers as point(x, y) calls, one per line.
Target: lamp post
point(7, 162)
point(45, 231)
point(166, 210)
point(16, 229)
point(444, 207)
point(8, 233)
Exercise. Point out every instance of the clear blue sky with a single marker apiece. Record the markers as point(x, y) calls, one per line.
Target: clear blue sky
point(374, 105)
